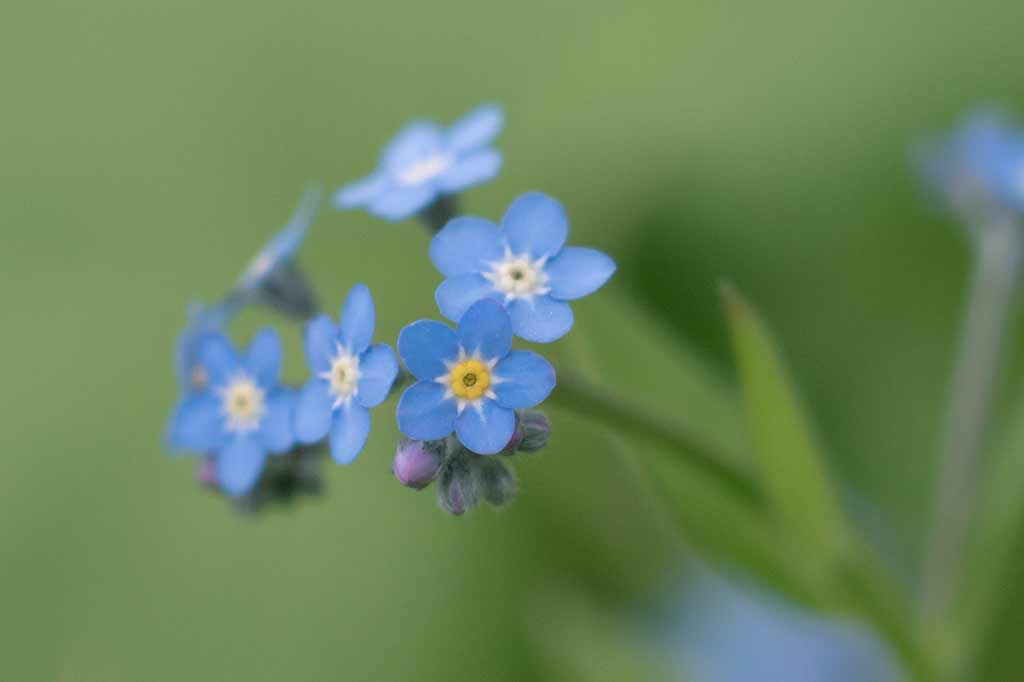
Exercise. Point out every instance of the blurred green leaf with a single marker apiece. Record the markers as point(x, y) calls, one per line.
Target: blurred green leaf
point(790, 464)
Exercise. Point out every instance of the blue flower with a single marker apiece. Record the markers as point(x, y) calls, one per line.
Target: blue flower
point(424, 162)
point(524, 264)
point(244, 414)
point(272, 275)
point(470, 381)
point(349, 377)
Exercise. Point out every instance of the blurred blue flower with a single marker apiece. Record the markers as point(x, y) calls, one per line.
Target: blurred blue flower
point(243, 415)
point(978, 170)
point(424, 162)
point(272, 275)
point(470, 381)
point(524, 264)
point(349, 376)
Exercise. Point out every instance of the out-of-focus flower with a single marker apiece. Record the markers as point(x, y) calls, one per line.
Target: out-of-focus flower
point(525, 265)
point(349, 376)
point(272, 276)
point(424, 162)
point(417, 462)
point(243, 415)
point(470, 380)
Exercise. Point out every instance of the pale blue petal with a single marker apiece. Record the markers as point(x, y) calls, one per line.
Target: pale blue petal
point(578, 272)
point(349, 431)
point(487, 431)
point(263, 359)
point(471, 170)
point(425, 345)
point(277, 430)
point(466, 244)
point(476, 129)
point(525, 379)
point(402, 202)
point(416, 141)
point(320, 339)
point(378, 368)
point(541, 320)
point(357, 319)
point(239, 465)
point(456, 294)
point(219, 359)
point(362, 192)
point(313, 411)
point(536, 224)
point(197, 424)
point(424, 413)
point(486, 329)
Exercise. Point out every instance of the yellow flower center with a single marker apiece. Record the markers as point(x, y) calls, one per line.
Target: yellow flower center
point(470, 379)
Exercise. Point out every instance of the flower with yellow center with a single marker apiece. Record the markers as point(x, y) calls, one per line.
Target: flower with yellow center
point(243, 404)
point(469, 380)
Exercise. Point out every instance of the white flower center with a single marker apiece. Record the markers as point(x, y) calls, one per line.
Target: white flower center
point(244, 404)
point(425, 169)
point(516, 276)
point(343, 376)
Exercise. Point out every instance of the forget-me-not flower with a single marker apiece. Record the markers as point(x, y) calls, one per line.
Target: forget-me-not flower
point(244, 414)
point(470, 381)
point(349, 377)
point(272, 275)
point(425, 161)
point(524, 264)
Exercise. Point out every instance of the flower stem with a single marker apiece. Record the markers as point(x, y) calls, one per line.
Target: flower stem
point(437, 214)
point(997, 257)
point(589, 400)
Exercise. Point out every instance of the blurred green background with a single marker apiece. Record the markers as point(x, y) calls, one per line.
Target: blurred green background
point(148, 149)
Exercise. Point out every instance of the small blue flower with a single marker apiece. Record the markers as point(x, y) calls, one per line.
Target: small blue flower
point(244, 414)
point(470, 381)
point(424, 162)
point(525, 265)
point(349, 377)
point(272, 275)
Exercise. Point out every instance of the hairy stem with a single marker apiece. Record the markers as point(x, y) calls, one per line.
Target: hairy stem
point(997, 257)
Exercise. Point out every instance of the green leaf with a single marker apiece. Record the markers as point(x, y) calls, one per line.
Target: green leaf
point(790, 465)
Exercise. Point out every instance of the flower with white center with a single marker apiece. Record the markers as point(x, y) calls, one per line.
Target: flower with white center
point(348, 377)
point(523, 264)
point(424, 162)
point(470, 381)
point(244, 416)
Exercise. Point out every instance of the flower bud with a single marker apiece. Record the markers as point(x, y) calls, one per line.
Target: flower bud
point(416, 463)
point(458, 491)
point(497, 482)
point(533, 430)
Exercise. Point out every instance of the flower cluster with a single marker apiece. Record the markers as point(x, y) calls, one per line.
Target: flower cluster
point(469, 404)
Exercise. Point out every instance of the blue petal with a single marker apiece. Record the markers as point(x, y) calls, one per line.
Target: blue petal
point(357, 319)
point(471, 170)
point(402, 202)
point(415, 141)
point(466, 244)
point(425, 345)
point(362, 192)
point(263, 360)
point(196, 424)
point(486, 329)
point(378, 368)
point(277, 430)
point(541, 320)
point(525, 379)
point(476, 129)
point(577, 272)
point(239, 465)
point(219, 358)
point(320, 339)
point(424, 413)
point(313, 411)
point(535, 224)
point(349, 432)
point(487, 431)
point(456, 294)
